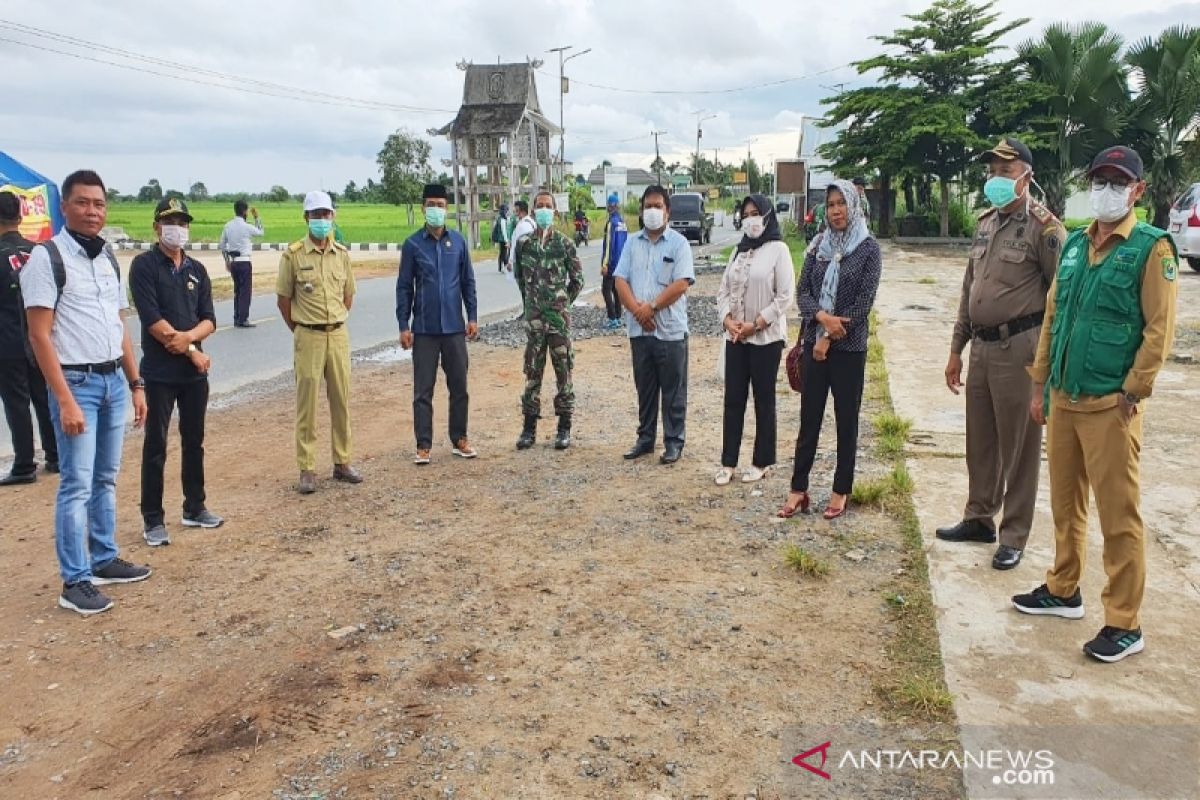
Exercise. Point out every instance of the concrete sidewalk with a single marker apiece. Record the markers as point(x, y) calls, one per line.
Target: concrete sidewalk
point(1009, 670)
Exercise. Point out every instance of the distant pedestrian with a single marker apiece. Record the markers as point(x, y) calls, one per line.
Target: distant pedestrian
point(315, 290)
point(173, 296)
point(615, 234)
point(238, 249)
point(73, 302)
point(21, 381)
point(522, 227)
point(752, 304)
point(436, 283)
point(500, 237)
point(652, 277)
point(551, 277)
point(860, 186)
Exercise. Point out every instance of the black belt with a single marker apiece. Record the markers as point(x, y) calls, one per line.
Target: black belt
point(106, 368)
point(332, 326)
point(1008, 329)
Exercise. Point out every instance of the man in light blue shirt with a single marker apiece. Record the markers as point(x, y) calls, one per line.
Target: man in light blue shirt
point(652, 278)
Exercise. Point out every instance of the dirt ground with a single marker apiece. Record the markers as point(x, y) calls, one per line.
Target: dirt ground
point(524, 625)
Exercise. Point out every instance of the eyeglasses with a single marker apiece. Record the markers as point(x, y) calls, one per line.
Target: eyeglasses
point(1099, 184)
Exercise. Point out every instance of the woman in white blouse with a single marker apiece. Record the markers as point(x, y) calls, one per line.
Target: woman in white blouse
point(755, 294)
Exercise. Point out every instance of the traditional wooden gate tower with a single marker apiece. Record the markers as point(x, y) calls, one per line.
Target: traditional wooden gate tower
point(500, 141)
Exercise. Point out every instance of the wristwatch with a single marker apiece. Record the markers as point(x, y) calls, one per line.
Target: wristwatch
point(140, 383)
point(654, 306)
point(192, 348)
point(1132, 399)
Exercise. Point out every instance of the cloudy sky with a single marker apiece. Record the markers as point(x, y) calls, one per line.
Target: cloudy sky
point(358, 70)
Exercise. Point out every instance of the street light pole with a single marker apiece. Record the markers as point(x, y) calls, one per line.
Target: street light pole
point(657, 157)
point(562, 90)
point(699, 121)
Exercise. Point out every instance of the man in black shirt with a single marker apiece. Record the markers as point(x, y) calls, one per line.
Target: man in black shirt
point(173, 297)
point(20, 379)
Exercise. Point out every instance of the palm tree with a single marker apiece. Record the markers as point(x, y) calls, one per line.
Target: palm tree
point(1167, 71)
point(1085, 101)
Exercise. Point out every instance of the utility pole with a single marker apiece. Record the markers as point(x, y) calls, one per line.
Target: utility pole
point(563, 88)
point(748, 143)
point(657, 157)
point(699, 132)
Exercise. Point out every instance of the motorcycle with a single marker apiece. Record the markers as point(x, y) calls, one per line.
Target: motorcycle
point(581, 232)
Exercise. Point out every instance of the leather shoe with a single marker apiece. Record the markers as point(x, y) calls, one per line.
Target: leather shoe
point(346, 474)
point(308, 482)
point(969, 530)
point(12, 479)
point(51, 467)
point(671, 454)
point(640, 449)
point(1006, 557)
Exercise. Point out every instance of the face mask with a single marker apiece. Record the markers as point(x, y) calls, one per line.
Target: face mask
point(435, 217)
point(174, 236)
point(1111, 204)
point(1000, 191)
point(653, 218)
point(543, 217)
point(754, 226)
point(320, 228)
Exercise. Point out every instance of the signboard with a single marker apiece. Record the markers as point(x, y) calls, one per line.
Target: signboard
point(36, 225)
point(740, 177)
point(791, 176)
point(714, 193)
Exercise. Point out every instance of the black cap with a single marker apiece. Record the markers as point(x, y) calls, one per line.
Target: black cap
point(860, 182)
point(436, 191)
point(1008, 149)
point(1123, 158)
point(171, 206)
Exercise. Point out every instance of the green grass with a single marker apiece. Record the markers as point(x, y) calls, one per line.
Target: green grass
point(892, 430)
point(888, 492)
point(926, 281)
point(804, 562)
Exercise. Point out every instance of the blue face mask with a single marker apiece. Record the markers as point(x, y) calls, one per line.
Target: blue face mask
point(1000, 191)
point(435, 217)
point(543, 217)
point(320, 228)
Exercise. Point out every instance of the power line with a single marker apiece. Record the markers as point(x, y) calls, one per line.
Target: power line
point(731, 90)
point(239, 84)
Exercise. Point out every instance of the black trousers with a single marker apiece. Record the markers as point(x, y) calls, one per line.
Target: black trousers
point(161, 399)
point(608, 288)
point(451, 351)
point(21, 383)
point(746, 366)
point(842, 375)
point(503, 260)
point(660, 372)
point(243, 287)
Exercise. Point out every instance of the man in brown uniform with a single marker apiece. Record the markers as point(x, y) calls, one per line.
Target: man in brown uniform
point(1012, 262)
point(1110, 318)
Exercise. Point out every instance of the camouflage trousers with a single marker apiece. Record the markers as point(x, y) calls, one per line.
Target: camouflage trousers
point(542, 339)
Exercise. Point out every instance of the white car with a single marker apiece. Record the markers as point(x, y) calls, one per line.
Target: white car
point(1185, 225)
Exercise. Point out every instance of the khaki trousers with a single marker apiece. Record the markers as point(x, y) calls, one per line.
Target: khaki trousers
point(322, 355)
point(1004, 446)
point(1100, 449)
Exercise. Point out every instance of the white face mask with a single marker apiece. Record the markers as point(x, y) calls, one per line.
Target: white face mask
point(174, 236)
point(1111, 204)
point(754, 226)
point(654, 218)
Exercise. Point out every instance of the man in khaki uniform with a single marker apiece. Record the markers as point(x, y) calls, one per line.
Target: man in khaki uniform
point(1012, 262)
point(1110, 318)
point(316, 289)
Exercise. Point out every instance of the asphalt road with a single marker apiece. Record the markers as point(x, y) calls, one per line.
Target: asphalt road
point(242, 357)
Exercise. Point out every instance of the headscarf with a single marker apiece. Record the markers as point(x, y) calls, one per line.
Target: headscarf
point(771, 232)
point(835, 245)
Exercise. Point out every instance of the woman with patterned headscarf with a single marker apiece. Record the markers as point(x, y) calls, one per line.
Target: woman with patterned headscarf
point(836, 292)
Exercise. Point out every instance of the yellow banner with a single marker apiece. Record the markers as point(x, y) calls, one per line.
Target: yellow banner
point(35, 212)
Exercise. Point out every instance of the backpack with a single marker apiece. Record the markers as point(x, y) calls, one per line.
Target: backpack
point(497, 233)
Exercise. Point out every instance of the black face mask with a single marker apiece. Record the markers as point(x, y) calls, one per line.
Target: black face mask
point(92, 245)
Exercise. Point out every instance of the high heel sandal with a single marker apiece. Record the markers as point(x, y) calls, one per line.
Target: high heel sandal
point(832, 513)
point(787, 512)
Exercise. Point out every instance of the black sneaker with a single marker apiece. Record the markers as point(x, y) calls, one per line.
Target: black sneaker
point(1040, 601)
point(1113, 644)
point(205, 519)
point(83, 598)
point(119, 571)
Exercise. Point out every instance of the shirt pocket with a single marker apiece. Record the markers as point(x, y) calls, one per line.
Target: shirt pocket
point(308, 279)
point(1115, 294)
point(1009, 271)
point(665, 272)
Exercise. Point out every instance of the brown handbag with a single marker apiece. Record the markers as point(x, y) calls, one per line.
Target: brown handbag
point(795, 363)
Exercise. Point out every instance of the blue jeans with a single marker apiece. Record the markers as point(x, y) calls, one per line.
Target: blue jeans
point(85, 513)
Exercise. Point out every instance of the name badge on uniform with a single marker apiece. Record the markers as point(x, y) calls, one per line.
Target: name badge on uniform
point(447, 244)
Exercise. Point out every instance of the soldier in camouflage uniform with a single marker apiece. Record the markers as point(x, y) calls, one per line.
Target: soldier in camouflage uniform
point(548, 271)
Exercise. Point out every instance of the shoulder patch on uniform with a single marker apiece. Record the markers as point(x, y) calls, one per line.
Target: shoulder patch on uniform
point(986, 212)
point(339, 246)
point(1170, 268)
point(1042, 213)
point(294, 247)
point(1052, 240)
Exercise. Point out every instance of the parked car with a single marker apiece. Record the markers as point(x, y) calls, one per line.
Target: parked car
point(1184, 226)
point(690, 216)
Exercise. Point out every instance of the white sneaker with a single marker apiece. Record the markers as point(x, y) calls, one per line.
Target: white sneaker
point(755, 474)
point(724, 476)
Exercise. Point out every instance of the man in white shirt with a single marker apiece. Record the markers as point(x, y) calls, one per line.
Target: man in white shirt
point(237, 247)
point(85, 353)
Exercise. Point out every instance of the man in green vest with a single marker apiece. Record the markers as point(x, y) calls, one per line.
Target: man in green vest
point(1110, 317)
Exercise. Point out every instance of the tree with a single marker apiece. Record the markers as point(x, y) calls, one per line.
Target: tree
point(404, 162)
point(351, 193)
point(197, 192)
point(1167, 72)
point(152, 192)
point(1078, 105)
point(278, 194)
